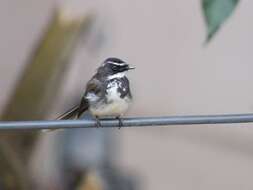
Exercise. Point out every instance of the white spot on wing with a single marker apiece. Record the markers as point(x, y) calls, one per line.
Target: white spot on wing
point(92, 97)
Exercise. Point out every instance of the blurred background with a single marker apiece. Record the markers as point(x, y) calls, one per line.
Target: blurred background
point(48, 51)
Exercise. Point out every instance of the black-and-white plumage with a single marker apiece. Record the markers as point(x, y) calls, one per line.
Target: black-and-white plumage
point(107, 92)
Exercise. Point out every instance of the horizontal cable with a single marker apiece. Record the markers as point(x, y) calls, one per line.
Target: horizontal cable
point(128, 122)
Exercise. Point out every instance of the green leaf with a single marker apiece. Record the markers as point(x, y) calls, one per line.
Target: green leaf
point(216, 12)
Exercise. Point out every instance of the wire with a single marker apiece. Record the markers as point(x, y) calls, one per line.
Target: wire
point(128, 122)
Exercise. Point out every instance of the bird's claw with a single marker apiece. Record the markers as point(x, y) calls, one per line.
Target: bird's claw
point(98, 123)
point(120, 122)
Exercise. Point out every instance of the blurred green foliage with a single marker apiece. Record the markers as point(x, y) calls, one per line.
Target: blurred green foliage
point(216, 13)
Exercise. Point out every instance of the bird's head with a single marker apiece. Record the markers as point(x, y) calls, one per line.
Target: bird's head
point(114, 67)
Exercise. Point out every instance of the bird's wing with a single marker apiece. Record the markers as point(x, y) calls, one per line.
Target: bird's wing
point(84, 105)
point(93, 87)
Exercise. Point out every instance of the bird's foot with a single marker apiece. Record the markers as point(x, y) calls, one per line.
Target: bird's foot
point(98, 123)
point(120, 122)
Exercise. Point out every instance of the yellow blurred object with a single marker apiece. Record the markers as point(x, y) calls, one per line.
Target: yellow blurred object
point(91, 181)
point(35, 92)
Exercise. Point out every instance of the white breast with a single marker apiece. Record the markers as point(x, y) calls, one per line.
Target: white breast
point(115, 106)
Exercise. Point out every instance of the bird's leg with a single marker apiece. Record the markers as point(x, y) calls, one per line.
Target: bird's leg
point(98, 122)
point(120, 121)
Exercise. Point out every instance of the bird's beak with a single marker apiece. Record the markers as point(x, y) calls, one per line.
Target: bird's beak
point(130, 68)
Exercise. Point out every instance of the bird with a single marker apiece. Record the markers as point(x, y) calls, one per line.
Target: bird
point(107, 93)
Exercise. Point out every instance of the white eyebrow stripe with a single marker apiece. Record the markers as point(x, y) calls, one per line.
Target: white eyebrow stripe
point(120, 64)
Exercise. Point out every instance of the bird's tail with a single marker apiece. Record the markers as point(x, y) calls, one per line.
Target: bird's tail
point(73, 112)
point(69, 114)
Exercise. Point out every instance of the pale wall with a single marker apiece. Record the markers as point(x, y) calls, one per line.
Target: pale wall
point(175, 74)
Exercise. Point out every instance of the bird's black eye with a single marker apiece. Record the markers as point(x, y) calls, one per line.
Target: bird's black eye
point(114, 67)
